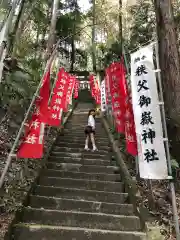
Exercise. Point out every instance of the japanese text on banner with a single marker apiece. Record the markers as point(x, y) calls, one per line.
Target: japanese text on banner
point(76, 89)
point(151, 151)
point(130, 134)
point(92, 85)
point(116, 88)
point(103, 96)
point(58, 99)
point(71, 83)
point(33, 142)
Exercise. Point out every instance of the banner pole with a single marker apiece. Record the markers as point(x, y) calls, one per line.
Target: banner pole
point(172, 187)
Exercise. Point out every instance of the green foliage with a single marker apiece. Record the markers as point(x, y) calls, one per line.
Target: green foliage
point(112, 54)
point(140, 28)
point(16, 89)
point(143, 26)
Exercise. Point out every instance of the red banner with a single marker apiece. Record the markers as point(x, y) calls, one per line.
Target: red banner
point(58, 99)
point(116, 90)
point(43, 99)
point(33, 142)
point(95, 89)
point(131, 142)
point(97, 93)
point(92, 85)
point(130, 134)
point(98, 96)
point(107, 85)
point(76, 89)
point(71, 84)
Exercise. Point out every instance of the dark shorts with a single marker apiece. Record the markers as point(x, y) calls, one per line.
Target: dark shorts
point(88, 130)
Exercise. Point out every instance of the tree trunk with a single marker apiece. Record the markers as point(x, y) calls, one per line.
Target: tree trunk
point(13, 35)
point(93, 38)
point(169, 57)
point(72, 54)
point(170, 70)
point(21, 25)
point(8, 25)
point(120, 26)
point(73, 49)
point(52, 32)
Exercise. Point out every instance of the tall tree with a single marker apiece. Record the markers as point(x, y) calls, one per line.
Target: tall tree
point(74, 8)
point(19, 16)
point(8, 25)
point(169, 57)
point(120, 26)
point(52, 33)
point(93, 36)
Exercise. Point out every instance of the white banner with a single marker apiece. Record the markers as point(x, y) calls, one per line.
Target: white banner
point(151, 151)
point(103, 96)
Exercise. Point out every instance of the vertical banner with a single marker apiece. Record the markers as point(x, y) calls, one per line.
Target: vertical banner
point(92, 85)
point(116, 90)
point(76, 89)
point(71, 83)
point(151, 151)
point(98, 96)
point(130, 133)
point(97, 92)
point(33, 143)
point(43, 99)
point(103, 96)
point(58, 99)
point(107, 89)
point(106, 82)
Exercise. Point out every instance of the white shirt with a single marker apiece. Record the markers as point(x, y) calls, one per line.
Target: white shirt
point(91, 121)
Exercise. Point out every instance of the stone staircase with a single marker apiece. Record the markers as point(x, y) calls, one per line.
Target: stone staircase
point(79, 195)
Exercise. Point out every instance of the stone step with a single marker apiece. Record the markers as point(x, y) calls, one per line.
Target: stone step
point(80, 141)
point(82, 168)
point(80, 131)
point(40, 232)
point(78, 150)
point(80, 205)
point(82, 175)
point(81, 219)
point(83, 155)
point(81, 122)
point(80, 145)
point(74, 134)
point(81, 127)
point(86, 161)
point(81, 194)
point(82, 184)
point(75, 139)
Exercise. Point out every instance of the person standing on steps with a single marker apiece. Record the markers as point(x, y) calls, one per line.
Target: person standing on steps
point(90, 130)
